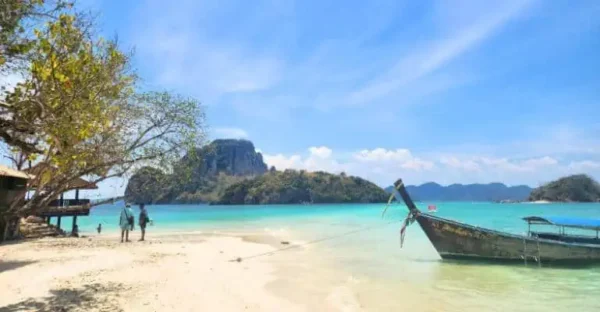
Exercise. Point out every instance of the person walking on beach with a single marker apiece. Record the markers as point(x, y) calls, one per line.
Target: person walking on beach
point(143, 220)
point(126, 222)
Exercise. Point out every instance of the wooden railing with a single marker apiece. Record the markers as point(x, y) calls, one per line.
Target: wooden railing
point(68, 202)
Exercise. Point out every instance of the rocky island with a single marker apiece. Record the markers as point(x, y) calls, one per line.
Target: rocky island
point(575, 188)
point(232, 172)
point(200, 176)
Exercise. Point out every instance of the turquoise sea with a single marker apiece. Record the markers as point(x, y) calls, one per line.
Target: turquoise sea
point(368, 269)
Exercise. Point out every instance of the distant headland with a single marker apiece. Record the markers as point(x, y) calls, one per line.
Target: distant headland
point(574, 188)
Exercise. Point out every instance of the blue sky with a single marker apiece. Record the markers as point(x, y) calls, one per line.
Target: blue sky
point(449, 91)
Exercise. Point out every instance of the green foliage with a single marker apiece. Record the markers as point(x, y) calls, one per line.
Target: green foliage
point(70, 94)
point(210, 192)
point(293, 187)
point(15, 40)
point(145, 186)
point(77, 112)
point(19, 20)
point(575, 188)
point(150, 185)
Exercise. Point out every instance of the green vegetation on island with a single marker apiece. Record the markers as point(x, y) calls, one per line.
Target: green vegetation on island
point(575, 188)
point(295, 187)
point(232, 172)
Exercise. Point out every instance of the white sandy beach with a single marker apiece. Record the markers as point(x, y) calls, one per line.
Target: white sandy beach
point(171, 272)
point(540, 202)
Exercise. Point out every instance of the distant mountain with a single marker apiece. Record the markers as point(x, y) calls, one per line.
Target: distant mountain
point(468, 192)
point(575, 188)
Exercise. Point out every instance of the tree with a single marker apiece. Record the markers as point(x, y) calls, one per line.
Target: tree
point(83, 117)
point(15, 15)
point(17, 19)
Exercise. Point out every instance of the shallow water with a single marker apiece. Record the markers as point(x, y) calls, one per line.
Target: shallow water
point(368, 269)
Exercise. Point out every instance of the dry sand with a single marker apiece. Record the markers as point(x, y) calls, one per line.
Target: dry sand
point(169, 272)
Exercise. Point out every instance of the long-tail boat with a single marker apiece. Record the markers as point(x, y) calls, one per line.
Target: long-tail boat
point(455, 240)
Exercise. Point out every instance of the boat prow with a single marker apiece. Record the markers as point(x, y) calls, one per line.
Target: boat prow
point(456, 240)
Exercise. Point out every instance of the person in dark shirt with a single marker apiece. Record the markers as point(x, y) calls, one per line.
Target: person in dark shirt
point(143, 220)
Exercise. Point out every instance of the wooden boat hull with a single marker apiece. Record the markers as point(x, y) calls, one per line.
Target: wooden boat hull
point(455, 240)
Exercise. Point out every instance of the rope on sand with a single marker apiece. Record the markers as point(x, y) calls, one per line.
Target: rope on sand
point(240, 259)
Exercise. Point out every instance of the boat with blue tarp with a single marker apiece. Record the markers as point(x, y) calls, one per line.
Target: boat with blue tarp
point(460, 241)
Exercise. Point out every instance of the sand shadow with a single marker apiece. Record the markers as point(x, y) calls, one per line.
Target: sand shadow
point(11, 265)
point(91, 297)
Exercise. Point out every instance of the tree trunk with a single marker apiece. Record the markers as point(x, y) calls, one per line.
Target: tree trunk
point(17, 230)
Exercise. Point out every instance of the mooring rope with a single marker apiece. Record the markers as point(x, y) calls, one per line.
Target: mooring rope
point(240, 259)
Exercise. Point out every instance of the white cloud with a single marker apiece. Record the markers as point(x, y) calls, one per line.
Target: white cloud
point(539, 162)
point(381, 154)
point(418, 164)
point(518, 165)
point(318, 159)
point(230, 133)
point(321, 151)
point(383, 166)
point(584, 165)
point(402, 158)
point(467, 165)
point(282, 162)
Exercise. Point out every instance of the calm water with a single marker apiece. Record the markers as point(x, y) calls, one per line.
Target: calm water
point(369, 269)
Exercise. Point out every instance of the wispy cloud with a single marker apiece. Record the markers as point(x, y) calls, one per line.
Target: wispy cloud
point(187, 54)
point(426, 60)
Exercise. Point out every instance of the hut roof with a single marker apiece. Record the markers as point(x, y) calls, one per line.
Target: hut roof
point(8, 172)
point(77, 183)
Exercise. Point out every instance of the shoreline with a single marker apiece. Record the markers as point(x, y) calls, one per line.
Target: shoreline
point(168, 272)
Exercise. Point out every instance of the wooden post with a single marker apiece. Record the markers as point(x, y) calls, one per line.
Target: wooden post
point(48, 220)
point(60, 204)
point(76, 196)
point(58, 222)
point(74, 225)
point(5, 234)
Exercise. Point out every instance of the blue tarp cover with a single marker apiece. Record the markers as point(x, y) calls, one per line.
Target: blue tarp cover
point(566, 221)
